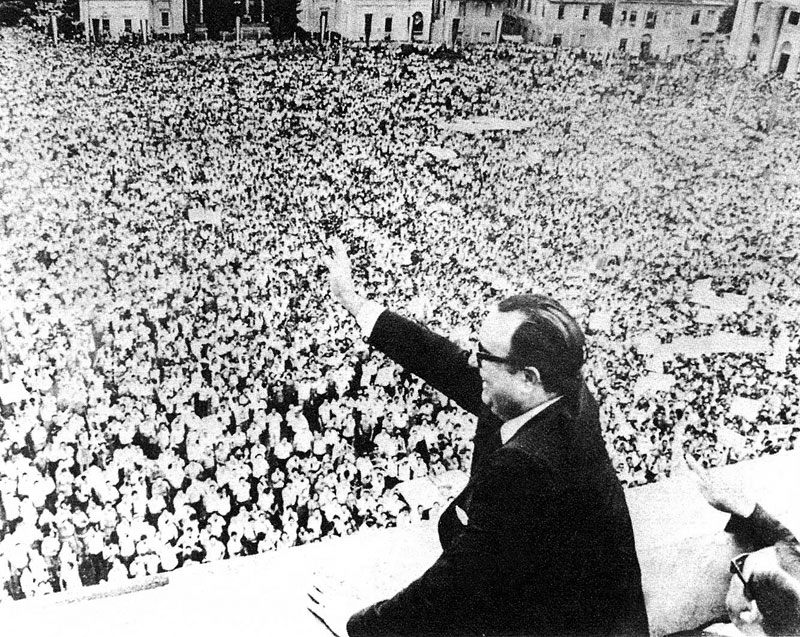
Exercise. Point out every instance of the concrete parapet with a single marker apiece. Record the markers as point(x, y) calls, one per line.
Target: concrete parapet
point(682, 546)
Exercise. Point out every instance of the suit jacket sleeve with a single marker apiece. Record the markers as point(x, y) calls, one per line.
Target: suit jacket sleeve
point(462, 589)
point(433, 358)
point(760, 529)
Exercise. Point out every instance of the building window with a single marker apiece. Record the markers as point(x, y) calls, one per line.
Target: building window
point(623, 16)
point(623, 44)
point(696, 18)
point(128, 25)
point(633, 18)
point(667, 18)
point(488, 10)
point(794, 18)
point(650, 20)
point(165, 18)
point(586, 10)
point(644, 47)
point(462, 7)
point(417, 25)
point(560, 13)
point(387, 25)
point(582, 39)
point(106, 25)
point(529, 6)
point(556, 39)
point(690, 44)
point(606, 15)
point(543, 6)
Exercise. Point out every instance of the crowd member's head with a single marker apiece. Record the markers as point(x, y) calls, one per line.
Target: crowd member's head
point(531, 350)
point(764, 594)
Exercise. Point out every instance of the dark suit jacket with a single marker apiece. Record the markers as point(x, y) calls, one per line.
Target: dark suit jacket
point(548, 547)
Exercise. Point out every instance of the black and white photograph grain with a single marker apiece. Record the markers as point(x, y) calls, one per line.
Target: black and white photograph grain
point(383, 318)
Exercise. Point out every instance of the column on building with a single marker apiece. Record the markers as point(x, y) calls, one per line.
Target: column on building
point(766, 50)
point(88, 24)
point(794, 63)
point(743, 28)
point(201, 12)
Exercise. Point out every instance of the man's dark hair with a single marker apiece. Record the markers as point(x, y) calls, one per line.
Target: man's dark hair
point(550, 340)
point(778, 602)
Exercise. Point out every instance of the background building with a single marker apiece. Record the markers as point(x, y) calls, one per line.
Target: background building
point(667, 28)
point(368, 20)
point(640, 27)
point(769, 34)
point(444, 21)
point(115, 18)
point(462, 21)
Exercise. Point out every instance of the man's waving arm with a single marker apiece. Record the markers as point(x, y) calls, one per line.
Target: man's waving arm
point(419, 351)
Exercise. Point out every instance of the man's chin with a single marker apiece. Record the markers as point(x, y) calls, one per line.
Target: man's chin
point(494, 409)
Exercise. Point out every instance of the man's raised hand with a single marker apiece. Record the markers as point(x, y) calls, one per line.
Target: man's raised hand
point(340, 277)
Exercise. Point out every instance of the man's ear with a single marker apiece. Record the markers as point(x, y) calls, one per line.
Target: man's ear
point(751, 615)
point(532, 375)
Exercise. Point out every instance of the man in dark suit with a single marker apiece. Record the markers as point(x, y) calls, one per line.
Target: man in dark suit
point(540, 541)
point(764, 594)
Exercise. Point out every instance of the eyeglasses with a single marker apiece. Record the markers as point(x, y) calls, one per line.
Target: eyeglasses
point(483, 355)
point(737, 568)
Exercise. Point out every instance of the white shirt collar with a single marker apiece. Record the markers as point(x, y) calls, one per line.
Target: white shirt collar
point(510, 427)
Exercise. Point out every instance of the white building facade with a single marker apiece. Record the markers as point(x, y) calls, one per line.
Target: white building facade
point(668, 28)
point(466, 21)
point(768, 34)
point(113, 19)
point(647, 28)
point(437, 21)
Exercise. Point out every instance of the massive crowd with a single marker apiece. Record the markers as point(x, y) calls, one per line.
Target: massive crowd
point(185, 388)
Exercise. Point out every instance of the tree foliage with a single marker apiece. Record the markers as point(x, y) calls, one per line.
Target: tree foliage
point(39, 15)
point(219, 16)
point(282, 17)
point(17, 12)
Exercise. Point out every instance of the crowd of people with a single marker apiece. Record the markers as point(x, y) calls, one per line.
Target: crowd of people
point(178, 385)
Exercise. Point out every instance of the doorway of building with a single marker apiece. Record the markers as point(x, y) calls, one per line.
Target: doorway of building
point(367, 27)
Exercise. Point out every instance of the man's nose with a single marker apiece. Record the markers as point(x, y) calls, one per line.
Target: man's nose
point(735, 599)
